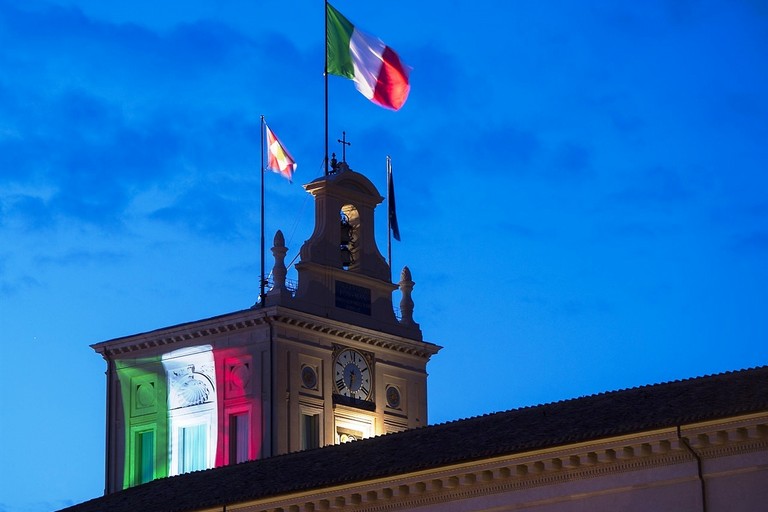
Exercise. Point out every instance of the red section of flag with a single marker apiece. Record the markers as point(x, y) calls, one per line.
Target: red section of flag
point(392, 86)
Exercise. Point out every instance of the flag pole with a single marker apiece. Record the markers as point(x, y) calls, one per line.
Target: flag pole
point(389, 216)
point(262, 283)
point(325, 76)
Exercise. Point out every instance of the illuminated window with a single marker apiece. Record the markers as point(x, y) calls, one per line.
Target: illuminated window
point(193, 448)
point(351, 427)
point(310, 431)
point(192, 409)
point(239, 431)
point(348, 243)
point(145, 456)
point(347, 435)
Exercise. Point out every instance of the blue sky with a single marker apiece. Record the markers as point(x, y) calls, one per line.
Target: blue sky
point(582, 193)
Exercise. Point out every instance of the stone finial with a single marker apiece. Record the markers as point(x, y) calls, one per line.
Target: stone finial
point(279, 271)
point(279, 240)
point(406, 302)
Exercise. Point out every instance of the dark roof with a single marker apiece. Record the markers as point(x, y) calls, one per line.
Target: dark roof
point(581, 419)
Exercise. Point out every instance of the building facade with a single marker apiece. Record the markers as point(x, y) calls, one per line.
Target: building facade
point(320, 363)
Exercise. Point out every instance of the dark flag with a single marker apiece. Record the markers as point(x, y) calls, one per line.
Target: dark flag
point(391, 203)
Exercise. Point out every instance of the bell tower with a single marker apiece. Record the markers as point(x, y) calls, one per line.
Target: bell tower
point(327, 361)
point(342, 274)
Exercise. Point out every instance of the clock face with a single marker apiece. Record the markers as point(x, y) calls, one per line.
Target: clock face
point(352, 375)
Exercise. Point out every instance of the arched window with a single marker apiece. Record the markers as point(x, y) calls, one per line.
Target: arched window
point(348, 240)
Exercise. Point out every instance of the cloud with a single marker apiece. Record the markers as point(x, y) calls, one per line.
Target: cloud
point(504, 149)
point(90, 156)
point(571, 160)
point(100, 54)
point(681, 11)
point(29, 212)
point(12, 286)
point(204, 211)
point(655, 186)
point(754, 242)
point(93, 113)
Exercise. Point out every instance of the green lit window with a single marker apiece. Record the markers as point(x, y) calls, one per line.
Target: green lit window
point(145, 454)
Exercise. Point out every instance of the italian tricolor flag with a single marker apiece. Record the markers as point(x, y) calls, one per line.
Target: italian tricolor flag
point(375, 68)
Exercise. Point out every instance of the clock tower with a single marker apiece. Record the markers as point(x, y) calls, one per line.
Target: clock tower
point(323, 361)
point(362, 366)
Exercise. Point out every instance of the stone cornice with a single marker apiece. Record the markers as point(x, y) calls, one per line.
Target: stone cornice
point(200, 329)
point(526, 470)
point(342, 331)
point(246, 319)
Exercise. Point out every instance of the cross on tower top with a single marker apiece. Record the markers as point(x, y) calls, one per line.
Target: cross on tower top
point(344, 144)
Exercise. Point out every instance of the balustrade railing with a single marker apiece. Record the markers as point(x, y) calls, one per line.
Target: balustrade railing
point(292, 285)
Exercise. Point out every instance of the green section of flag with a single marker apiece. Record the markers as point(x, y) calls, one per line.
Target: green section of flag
point(337, 43)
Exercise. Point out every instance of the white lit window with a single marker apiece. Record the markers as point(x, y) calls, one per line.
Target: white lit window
point(193, 448)
point(192, 404)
